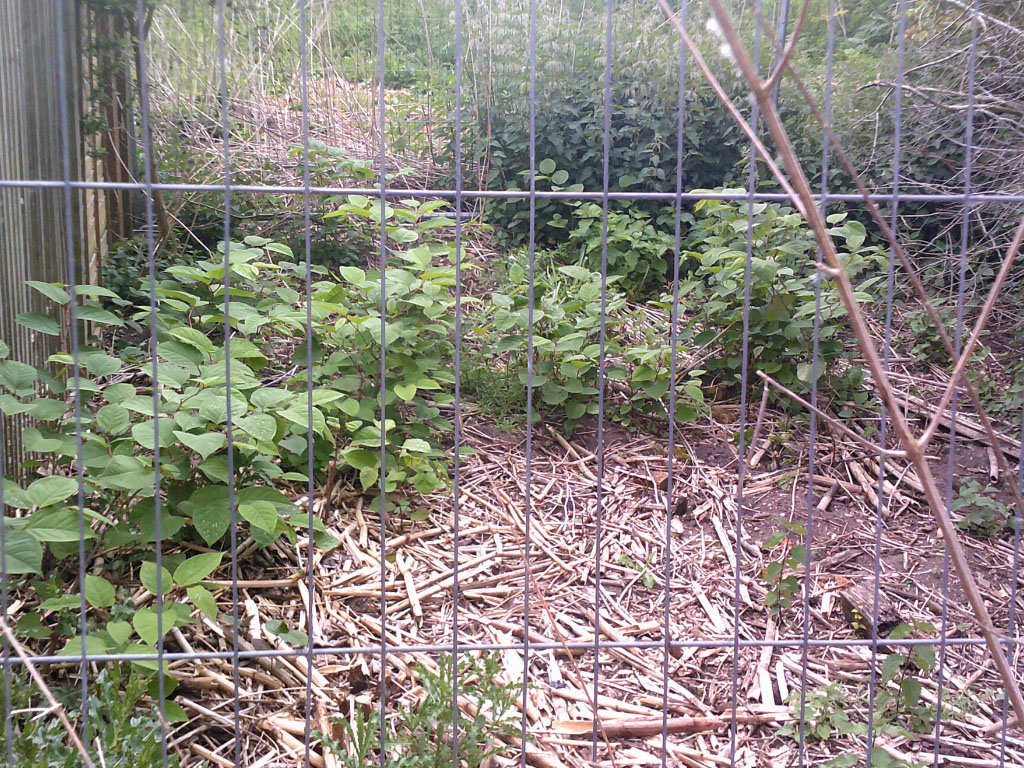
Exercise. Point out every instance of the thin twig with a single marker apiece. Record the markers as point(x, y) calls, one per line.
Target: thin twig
point(834, 423)
point(803, 199)
point(44, 688)
point(979, 326)
point(1008, 475)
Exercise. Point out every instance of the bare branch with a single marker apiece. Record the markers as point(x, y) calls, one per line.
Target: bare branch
point(867, 444)
point(804, 199)
point(787, 54)
point(979, 326)
point(1007, 473)
point(727, 102)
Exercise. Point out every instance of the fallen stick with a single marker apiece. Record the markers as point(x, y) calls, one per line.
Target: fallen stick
point(652, 726)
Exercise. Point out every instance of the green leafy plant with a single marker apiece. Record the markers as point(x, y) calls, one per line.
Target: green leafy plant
point(265, 387)
point(420, 736)
point(981, 512)
point(835, 711)
point(123, 720)
point(639, 246)
point(566, 340)
point(646, 577)
point(782, 289)
point(779, 575)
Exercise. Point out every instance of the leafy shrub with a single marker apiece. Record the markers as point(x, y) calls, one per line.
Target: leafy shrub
point(566, 339)
point(268, 406)
point(570, 111)
point(639, 246)
point(780, 574)
point(782, 289)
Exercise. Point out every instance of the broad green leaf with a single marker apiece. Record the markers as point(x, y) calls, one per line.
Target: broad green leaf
point(113, 419)
point(197, 568)
point(52, 291)
point(402, 235)
point(173, 711)
point(94, 646)
point(361, 458)
point(352, 275)
point(268, 397)
point(143, 433)
point(17, 377)
point(119, 631)
point(262, 426)
point(47, 491)
point(62, 603)
point(261, 514)
point(368, 477)
point(210, 513)
point(406, 391)
point(575, 271)
point(216, 468)
point(911, 690)
point(804, 372)
point(179, 353)
point(193, 338)
point(95, 291)
point(547, 166)
point(51, 524)
point(146, 624)
point(48, 409)
point(37, 321)
point(416, 445)
point(203, 599)
point(891, 666)
point(32, 439)
point(14, 495)
point(31, 625)
point(97, 315)
point(100, 364)
point(22, 553)
point(147, 575)
point(99, 592)
point(204, 444)
point(5, 351)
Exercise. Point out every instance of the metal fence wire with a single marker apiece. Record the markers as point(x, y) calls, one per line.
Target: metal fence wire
point(638, 591)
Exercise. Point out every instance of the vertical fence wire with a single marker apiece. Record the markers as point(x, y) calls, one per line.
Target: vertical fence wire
point(965, 224)
point(383, 262)
point(890, 291)
point(606, 151)
point(307, 247)
point(528, 426)
point(670, 488)
point(147, 149)
point(457, 416)
point(812, 437)
point(64, 88)
point(741, 449)
point(225, 125)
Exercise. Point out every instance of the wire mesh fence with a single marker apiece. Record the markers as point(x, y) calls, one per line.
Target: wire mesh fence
point(457, 400)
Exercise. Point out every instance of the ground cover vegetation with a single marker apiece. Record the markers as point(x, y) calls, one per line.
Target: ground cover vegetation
point(238, 393)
